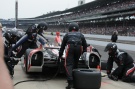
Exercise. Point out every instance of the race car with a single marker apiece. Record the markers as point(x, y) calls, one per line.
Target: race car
point(34, 60)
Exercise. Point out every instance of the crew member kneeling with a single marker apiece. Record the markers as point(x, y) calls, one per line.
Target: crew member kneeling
point(75, 45)
point(124, 61)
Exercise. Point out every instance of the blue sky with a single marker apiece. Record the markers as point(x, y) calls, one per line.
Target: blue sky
point(33, 8)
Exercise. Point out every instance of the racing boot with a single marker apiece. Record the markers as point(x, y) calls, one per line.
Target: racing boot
point(133, 78)
point(14, 62)
point(70, 84)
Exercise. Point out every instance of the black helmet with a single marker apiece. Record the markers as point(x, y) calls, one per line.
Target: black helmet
point(42, 26)
point(32, 29)
point(73, 26)
point(111, 47)
point(11, 36)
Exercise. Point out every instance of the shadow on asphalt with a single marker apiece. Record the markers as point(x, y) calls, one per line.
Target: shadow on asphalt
point(48, 73)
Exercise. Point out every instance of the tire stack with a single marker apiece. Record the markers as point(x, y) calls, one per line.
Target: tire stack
point(87, 79)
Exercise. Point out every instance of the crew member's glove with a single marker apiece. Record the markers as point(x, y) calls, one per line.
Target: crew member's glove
point(6, 58)
point(14, 62)
point(113, 77)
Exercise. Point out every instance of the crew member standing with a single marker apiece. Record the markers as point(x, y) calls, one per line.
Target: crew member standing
point(114, 36)
point(75, 44)
point(58, 39)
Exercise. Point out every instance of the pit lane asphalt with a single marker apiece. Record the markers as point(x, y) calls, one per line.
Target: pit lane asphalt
point(59, 82)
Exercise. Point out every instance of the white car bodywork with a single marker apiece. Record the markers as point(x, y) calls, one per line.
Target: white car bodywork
point(50, 55)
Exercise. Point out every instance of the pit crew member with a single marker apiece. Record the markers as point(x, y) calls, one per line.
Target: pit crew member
point(75, 44)
point(124, 61)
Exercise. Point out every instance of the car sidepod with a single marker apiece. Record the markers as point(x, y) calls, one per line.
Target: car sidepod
point(33, 60)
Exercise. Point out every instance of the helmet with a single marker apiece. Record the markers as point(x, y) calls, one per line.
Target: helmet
point(73, 26)
point(11, 36)
point(32, 29)
point(111, 47)
point(42, 26)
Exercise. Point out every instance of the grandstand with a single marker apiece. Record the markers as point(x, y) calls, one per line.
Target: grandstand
point(96, 17)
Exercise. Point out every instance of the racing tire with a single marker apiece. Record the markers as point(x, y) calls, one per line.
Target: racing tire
point(26, 70)
point(103, 64)
point(94, 61)
point(26, 65)
point(87, 78)
point(36, 59)
point(26, 60)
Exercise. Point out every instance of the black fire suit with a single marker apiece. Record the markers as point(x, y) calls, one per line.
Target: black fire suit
point(75, 44)
point(114, 37)
point(29, 40)
point(7, 58)
point(126, 66)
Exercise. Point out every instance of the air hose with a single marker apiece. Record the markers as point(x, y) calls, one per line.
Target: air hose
point(35, 80)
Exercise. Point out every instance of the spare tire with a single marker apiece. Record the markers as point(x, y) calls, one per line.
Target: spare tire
point(87, 79)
